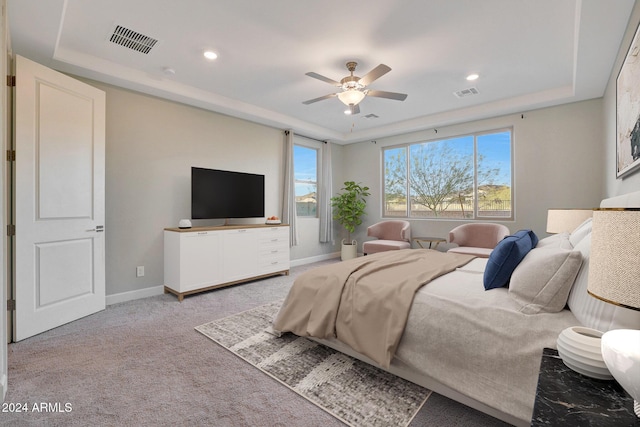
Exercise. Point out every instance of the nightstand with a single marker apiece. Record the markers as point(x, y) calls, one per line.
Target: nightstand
point(567, 398)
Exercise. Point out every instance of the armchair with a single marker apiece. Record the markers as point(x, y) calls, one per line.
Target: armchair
point(477, 239)
point(392, 235)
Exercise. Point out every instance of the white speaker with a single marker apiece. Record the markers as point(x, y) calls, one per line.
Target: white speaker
point(184, 223)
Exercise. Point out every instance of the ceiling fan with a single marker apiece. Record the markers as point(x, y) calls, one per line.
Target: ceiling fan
point(354, 88)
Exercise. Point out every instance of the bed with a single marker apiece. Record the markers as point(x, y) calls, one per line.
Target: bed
point(426, 316)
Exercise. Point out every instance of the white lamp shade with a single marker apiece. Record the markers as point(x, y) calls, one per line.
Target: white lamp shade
point(566, 220)
point(351, 96)
point(614, 277)
point(614, 270)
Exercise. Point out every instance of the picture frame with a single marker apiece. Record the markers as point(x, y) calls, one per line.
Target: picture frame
point(628, 111)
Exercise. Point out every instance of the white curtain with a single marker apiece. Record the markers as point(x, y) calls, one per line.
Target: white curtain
point(289, 192)
point(324, 195)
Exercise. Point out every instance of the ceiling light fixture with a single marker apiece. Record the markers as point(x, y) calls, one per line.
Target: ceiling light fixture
point(351, 96)
point(472, 77)
point(209, 54)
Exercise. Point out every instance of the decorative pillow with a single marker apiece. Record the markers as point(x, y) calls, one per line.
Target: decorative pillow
point(542, 281)
point(580, 232)
point(560, 240)
point(505, 258)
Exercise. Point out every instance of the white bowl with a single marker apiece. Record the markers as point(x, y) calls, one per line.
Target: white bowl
point(579, 348)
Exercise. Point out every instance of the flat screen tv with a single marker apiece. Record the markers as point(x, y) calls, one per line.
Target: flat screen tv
point(226, 194)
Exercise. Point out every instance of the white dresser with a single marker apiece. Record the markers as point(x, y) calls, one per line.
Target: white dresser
point(203, 258)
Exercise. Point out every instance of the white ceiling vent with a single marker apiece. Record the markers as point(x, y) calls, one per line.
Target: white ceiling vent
point(466, 92)
point(132, 39)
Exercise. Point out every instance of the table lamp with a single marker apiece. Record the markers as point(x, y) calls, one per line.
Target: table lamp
point(614, 277)
point(561, 220)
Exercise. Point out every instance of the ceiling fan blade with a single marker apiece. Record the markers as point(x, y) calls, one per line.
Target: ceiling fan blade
point(355, 109)
point(388, 95)
point(323, 78)
point(375, 74)
point(322, 98)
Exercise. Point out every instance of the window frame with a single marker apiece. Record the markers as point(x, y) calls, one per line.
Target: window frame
point(316, 148)
point(477, 215)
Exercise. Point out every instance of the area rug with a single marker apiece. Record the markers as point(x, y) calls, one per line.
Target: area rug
point(356, 393)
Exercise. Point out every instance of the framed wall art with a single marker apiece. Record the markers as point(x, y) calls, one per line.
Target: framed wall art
point(628, 111)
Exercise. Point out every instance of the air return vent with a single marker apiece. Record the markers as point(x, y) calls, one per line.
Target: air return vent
point(466, 92)
point(132, 39)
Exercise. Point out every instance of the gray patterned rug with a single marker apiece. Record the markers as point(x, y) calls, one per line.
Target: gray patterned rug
point(352, 391)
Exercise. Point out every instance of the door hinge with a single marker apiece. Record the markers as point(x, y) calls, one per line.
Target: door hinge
point(11, 229)
point(11, 155)
point(11, 81)
point(11, 305)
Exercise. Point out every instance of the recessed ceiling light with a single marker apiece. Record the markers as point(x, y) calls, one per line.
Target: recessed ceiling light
point(209, 54)
point(472, 77)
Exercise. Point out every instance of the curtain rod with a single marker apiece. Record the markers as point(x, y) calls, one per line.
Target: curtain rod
point(308, 137)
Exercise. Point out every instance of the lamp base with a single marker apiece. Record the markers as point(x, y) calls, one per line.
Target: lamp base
point(621, 354)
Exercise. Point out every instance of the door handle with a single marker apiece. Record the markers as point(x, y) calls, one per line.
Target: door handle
point(98, 229)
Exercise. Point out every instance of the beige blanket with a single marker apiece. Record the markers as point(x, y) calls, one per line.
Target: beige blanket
point(363, 302)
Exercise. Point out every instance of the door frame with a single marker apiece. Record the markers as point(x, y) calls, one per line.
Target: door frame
point(5, 198)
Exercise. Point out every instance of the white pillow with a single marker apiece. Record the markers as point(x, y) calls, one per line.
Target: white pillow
point(580, 232)
point(542, 281)
point(590, 311)
point(560, 240)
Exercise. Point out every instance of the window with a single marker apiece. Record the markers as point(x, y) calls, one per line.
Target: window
point(466, 177)
point(305, 170)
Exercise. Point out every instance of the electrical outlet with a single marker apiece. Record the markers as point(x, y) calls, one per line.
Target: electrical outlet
point(140, 271)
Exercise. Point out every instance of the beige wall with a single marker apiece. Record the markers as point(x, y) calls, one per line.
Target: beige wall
point(629, 183)
point(564, 157)
point(151, 146)
point(152, 143)
point(558, 163)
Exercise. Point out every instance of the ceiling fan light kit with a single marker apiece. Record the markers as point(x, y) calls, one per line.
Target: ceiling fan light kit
point(354, 88)
point(351, 96)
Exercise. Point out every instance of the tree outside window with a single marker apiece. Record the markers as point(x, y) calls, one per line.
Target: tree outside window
point(465, 177)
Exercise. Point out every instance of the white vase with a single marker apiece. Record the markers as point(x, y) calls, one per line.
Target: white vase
point(579, 348)
point(349, 250)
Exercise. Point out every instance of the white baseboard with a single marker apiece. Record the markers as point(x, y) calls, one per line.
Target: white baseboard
point(303, 261)
point(159, 290)
point(133, 295)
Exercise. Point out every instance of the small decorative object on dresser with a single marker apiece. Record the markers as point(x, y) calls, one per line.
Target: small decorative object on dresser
point(184, 223)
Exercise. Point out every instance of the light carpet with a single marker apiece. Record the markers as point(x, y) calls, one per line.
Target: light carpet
point(354, 392)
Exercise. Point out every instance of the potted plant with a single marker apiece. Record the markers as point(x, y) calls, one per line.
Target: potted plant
point(348, 209)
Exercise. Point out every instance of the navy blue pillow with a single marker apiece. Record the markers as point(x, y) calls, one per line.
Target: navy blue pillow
point(506, 256)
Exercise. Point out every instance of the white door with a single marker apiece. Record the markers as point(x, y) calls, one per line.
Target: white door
point(59, 199)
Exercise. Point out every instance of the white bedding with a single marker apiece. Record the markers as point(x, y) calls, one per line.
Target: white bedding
point(495, 355)
point(477, 347)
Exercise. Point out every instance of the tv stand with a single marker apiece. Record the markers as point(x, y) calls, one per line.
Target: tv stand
point(203, 258)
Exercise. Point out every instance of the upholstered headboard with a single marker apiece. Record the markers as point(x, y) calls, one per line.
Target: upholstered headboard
point(629, 200)
point(592, 312)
